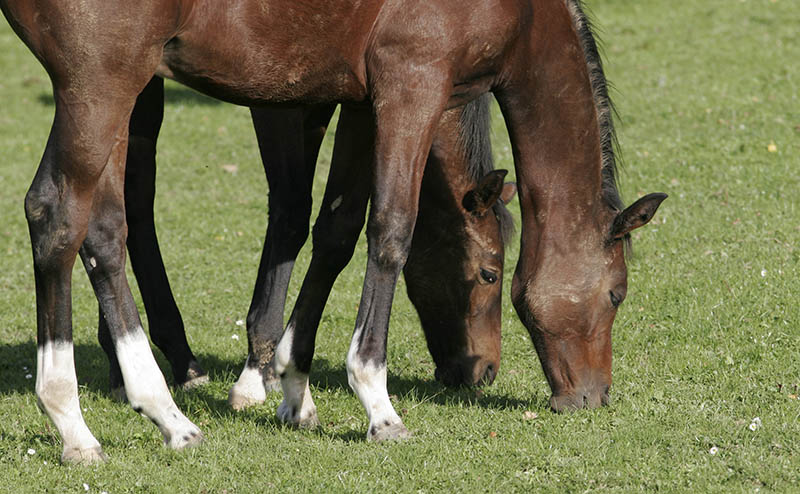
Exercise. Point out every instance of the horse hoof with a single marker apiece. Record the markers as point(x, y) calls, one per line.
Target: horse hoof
point(195, 382)
point(86, 456)
point(185, 440)
point(195, 376)
point(118, 394)
point(388, 432)
point(304, 419)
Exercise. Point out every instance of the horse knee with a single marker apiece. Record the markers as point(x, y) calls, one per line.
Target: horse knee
point(389, 238)
point(54, 237)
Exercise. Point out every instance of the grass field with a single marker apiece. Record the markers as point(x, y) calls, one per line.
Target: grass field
point(707, 341)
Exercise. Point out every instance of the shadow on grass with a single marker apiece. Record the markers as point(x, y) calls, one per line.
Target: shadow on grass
point(334, 377)
point(18, 368)
point(172, 96)
point(19, 360)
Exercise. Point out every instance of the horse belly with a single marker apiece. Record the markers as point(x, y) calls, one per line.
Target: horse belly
point(252, 56)
point(254, 79)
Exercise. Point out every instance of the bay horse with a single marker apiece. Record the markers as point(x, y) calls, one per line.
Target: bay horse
point(407, 61)
point(455, 264)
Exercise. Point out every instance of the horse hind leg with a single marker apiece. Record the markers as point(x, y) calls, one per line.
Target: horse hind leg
point(103, 255)
point(289, 142)
point(336, 231)
point(165, 322)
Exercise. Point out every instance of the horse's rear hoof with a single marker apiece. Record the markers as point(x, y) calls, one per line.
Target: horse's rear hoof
point(87, 456)
point(388, 432)
point(195, 376)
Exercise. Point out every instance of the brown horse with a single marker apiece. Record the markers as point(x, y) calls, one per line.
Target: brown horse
point(454, 267)
point(409, 61)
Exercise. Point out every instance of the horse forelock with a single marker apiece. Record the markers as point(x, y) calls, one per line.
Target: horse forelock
point(475, 139)
point(603, 103)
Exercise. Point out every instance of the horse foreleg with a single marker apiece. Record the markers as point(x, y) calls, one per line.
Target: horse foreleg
point(103, 255)
point(289, 142)
point(57, 207)
point(406, 115)
point(336, 232)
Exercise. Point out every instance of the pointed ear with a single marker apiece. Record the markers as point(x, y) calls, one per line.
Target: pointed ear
point(509, 189)
point(636, 215)
point(480, 199)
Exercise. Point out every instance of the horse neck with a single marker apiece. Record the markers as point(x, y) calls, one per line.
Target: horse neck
point(557, 137)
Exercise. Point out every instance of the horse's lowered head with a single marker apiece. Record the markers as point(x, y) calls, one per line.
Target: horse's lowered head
point(570, 300)
point(460, 312)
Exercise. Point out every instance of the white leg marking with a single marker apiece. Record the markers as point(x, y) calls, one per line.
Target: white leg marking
point(248, 390)
point(297, 407)
point(368, 381)
point(148, 393)
point(57, 395)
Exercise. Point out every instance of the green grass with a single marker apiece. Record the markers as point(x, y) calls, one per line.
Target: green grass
point(708, 339)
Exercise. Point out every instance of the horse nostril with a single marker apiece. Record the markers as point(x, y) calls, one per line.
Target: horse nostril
point(585, 401)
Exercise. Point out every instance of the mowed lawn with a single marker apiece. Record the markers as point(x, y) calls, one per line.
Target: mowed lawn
point(706, 347)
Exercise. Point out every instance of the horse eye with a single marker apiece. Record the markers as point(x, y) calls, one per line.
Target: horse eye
point(615, 299)
point(488, 276)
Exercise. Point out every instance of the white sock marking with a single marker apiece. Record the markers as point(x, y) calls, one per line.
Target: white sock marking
point(249, 388)
point(148, 393)
point(368, 381)
point(57, 394)
point(297, 406)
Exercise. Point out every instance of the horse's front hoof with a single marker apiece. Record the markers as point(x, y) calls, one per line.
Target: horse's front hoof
point(296, 417)
point(388, 432)
point(88, 456)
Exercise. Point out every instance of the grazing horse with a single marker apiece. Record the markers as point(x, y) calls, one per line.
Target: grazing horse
point(454, 266)
point(408, 61)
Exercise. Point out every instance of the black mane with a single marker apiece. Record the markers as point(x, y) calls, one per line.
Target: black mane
point(605, 107)
point(476, 143)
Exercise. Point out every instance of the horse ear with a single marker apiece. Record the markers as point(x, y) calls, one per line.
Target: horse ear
point(637, 214)
point(478, 200)
point(509, 189)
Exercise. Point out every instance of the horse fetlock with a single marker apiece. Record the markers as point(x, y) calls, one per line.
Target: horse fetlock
point(283, 353)
point(297, 407)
